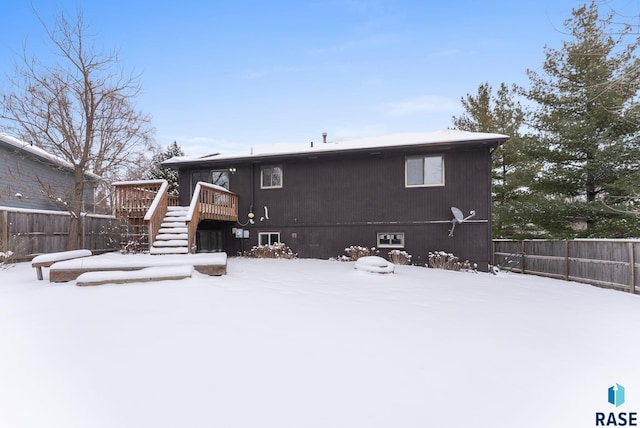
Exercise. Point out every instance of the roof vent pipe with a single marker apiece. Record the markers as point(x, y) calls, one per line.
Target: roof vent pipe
point(312, 144)
point(324, 137)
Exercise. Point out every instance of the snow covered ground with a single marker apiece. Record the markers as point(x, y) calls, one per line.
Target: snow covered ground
point(310, 343)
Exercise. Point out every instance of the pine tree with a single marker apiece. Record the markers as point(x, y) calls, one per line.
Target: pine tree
point(587, 124)
point(159, 172)
point(512, 169)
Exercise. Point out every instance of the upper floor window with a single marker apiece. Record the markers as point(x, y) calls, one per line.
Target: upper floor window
point(422, 171)
point(220, 178)
point(271, 177)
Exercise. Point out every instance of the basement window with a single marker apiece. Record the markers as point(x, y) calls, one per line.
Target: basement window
point(268, 238)
point(271, 177)
point(424, 171)
point(391, 240)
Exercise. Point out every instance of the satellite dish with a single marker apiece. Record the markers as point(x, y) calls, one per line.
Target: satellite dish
point(459, 218)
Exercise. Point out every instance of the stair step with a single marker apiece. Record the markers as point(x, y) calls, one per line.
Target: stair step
point(170, 236)
point(176, 213)
point(171, 243)
point(172, 208)
point(182, 219)
point(168, 250)
point(174, 224)
point(173, 230)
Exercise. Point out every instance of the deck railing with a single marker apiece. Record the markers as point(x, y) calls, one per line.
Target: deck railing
point(134, 198)
point(210, 202)
point(144, 203)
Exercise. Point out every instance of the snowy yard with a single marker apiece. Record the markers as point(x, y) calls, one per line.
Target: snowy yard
point(310, 343)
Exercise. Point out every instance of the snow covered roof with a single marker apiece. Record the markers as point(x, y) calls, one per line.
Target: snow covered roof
point(40, 153)
point(407, 139)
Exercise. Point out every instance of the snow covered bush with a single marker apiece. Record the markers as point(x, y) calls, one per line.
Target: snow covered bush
point(447, 261)
point(399, 257)
point(276, 251)
point(130, 247)
point(132, 239)
point(354, 252)
point(5, 259)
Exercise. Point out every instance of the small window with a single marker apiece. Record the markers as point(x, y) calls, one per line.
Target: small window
point(268, 238)
point(391, 240)
point(271, 177)
point(421, 171)
point(220, 178)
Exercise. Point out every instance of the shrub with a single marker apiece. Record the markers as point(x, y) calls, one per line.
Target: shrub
point(447, 261)
point(398, 257)
point(354, 252)
point(275, 251)
point(6, 260)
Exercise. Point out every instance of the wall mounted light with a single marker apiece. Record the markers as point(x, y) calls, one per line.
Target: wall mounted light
point(250, 217)
point(232, 170)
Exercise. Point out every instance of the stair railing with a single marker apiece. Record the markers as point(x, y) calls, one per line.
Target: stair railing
point(210, 202)
point(157, 211)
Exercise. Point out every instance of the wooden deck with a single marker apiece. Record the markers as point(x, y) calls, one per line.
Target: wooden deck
point(213, 264)
point(146, 203)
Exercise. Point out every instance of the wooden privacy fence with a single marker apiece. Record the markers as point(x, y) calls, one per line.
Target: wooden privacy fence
point(608, 263)
point(26, 233)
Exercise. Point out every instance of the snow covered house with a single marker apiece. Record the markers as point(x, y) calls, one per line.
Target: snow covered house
point(402, 191)
point(32, 178)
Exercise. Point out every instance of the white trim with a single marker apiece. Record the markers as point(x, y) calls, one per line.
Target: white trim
point(379, 245)
point(260, 234)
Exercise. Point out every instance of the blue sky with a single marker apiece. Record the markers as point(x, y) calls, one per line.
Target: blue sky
point(227, 75)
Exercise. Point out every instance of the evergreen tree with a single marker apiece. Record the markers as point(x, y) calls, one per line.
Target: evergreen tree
point(159, 172)
point(512, 169)
point(587, 124)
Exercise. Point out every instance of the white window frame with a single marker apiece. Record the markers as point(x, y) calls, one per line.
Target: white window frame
point(269, 235)
point(390, 236)
point(423, 158)
point(262, 171)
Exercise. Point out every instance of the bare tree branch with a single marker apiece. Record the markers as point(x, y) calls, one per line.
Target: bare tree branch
point(80, 108)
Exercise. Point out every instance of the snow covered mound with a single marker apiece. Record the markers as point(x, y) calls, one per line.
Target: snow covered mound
point(374, 264)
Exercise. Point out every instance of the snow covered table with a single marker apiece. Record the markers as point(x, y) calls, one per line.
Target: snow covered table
point(46, 260)
point(214, 264)
point(374, 264)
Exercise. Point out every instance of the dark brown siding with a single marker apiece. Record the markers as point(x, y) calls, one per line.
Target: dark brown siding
point(333, 201)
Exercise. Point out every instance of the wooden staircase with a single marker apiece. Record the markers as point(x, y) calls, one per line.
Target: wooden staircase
point(173, 235)
point(172, 229)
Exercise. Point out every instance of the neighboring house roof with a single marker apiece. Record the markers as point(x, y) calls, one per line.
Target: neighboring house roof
point(41, 154)
point(393, 141)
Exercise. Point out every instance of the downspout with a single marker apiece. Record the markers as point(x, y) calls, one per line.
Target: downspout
point(490, 196)
point(251, 188)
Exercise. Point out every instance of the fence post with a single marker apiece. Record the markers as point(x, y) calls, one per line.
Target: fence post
point(5, 232)
point(522, 257)
point(82, 229)
point(566, 260)
point(494, 257)
point(632, 267)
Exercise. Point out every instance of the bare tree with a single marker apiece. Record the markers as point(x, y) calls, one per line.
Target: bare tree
point(81, 109)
